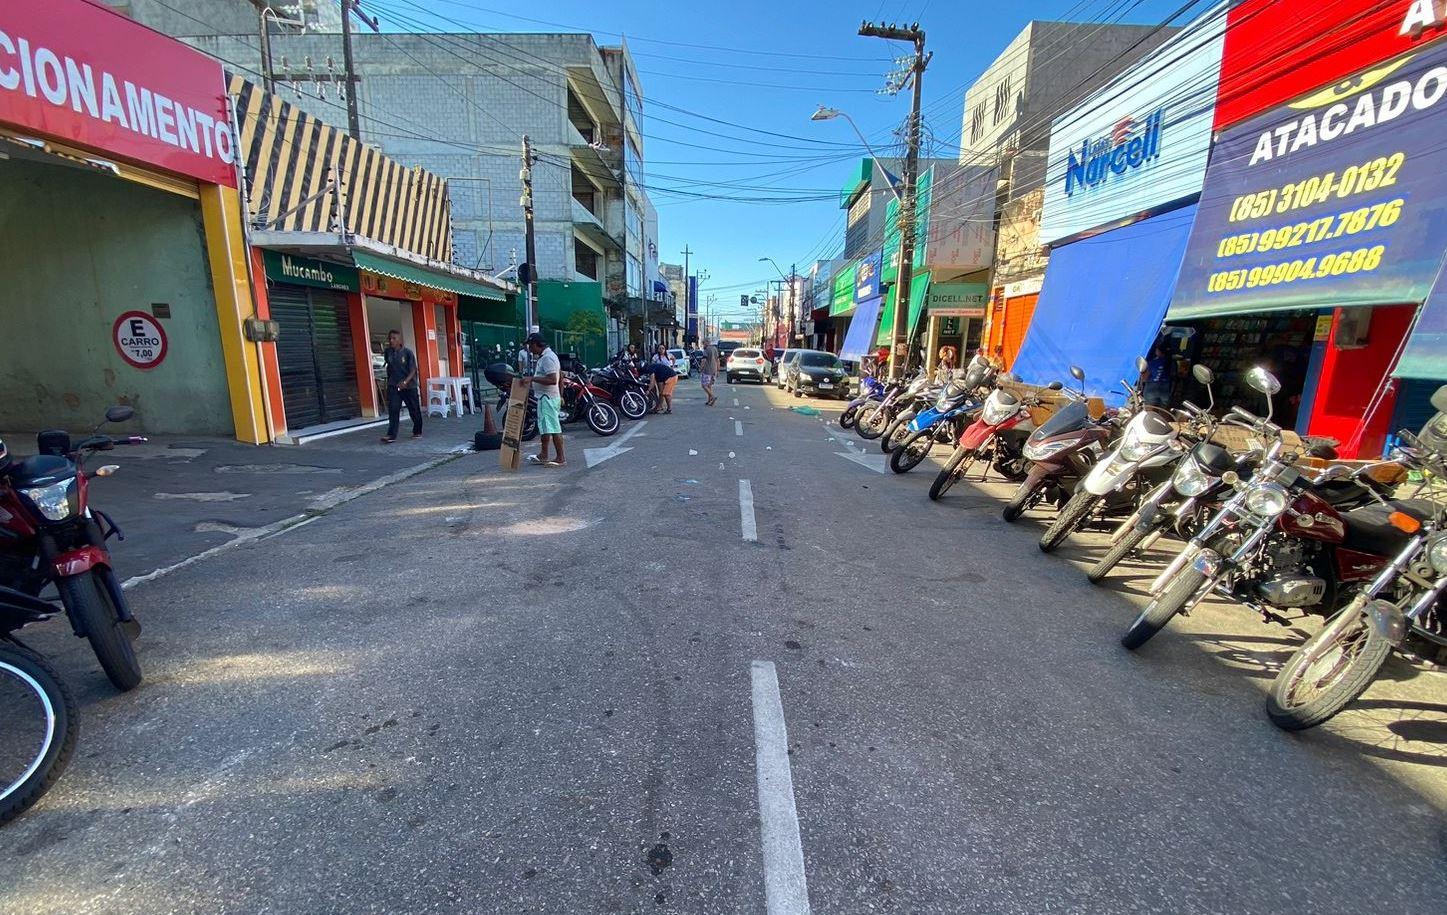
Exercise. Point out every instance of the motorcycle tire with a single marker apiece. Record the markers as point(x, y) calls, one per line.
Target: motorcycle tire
point(872, 421)
point(1069, 520)
point(1163, 609)
point(530, 424)
point(1118, 551)
point(632, 405)
point(953, 471)
point(89, 605)
point(914, 449)
point(896, 433)
point(1024, 494)
point(846, 419)
point(602, 418)
point(27, 679)
point(1350, 676)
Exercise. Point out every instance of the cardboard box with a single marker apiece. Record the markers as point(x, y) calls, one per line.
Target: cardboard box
point(510, 456)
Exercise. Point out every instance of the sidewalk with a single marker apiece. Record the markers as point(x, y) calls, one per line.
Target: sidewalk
point(177, 497)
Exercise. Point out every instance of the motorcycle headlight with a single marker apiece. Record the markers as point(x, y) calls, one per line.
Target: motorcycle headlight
point(1190, 479)
point(1133, 449)
point(1437, 553)
point(1266, 500)
point(995, 413)
point(56, 502)
point(1043, 450)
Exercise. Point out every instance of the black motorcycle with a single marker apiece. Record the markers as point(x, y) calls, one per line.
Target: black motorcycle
point(37, 714)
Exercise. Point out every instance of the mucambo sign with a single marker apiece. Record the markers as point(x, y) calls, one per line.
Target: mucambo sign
point(1334, 199)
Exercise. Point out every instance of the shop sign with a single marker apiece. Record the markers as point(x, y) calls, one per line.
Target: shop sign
point(866, 277)
point(1323, 327)
point(387, 287)
point(957, 300)
point(1141, 142)
point(1030, 286)
point(894, 239)
point(1277, 50)
point(306, 271)
point(842, 299)
point(140, 339)
point(1333, 199)
point(962, 229)
point(82, 74)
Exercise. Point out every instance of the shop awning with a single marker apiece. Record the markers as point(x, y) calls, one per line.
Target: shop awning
point(425, 276)
point(1102, 304)
point(1426, 352)
point(859, 338)
point(918, 292)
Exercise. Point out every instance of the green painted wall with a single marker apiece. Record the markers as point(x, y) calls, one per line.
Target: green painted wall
point(78, 248)
point(577, 310)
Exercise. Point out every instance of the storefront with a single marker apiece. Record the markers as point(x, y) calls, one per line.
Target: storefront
point(120, 230)
point(955, 314)
point(1007, 319)
point(842, 304)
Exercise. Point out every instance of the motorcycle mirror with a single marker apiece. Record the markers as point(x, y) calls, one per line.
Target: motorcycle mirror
point(119, 413)
point(1439, 399)
point(1141, 365)
point(1008, 376)
point(1263, 381)
point(1077, 373)
point(1055, 386)
point(1203, 374)
point(1334, 472)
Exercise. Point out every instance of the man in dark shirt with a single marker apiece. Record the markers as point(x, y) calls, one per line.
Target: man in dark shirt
point(401, 387)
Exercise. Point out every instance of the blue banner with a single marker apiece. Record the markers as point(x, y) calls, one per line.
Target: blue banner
point(866, 278)
point(859, 339)
point(1338, 198)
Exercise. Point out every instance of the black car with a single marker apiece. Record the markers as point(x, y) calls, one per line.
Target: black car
point(815, 372)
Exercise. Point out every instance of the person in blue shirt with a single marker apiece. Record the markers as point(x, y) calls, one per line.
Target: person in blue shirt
point(1156, 379)
point(662, 378)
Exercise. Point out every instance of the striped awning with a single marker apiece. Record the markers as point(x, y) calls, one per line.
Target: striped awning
point(426, 276)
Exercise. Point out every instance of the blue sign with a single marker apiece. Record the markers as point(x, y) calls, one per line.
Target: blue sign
point(1335, 199)
point(1130, 144)
point(866, 277)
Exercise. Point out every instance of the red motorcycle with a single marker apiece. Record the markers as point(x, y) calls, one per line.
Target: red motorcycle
point(580, 400)
point(997, 437)
point(1062, 450)
point(50, 534)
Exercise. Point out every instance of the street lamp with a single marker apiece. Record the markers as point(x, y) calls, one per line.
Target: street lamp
point(829, 114)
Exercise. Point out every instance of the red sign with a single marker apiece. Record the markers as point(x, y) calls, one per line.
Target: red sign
point(1277, 50)
point(140, 339)
point(81, 74)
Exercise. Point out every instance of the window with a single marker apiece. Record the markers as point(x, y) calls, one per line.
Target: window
point(585, 260)
point(635, 277)
point(1002, 100)
point(819, 360)
point(632, 161)
point(631, 218)
point(977, 122)
point(856, 233)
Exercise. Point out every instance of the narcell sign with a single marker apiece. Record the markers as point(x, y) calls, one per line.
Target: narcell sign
point(1334, 199)
point(140, 339)
point(79, 73)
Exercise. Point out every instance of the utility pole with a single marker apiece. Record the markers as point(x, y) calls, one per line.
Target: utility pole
point(530, 281)
point(899, 349)
point(795, 319)
point(688, 297)
point(354, 129)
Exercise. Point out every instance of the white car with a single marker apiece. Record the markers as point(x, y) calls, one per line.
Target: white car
point(681, 363)
point(747, 362)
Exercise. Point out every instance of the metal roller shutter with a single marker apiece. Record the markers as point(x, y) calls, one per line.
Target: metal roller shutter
point(314, 354)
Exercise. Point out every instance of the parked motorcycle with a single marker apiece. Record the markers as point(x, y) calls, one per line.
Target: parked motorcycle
point(873, 420)
point(624, 389)
point(1061, 451)
point(38, 719)
point(997, 437)
point(898, 430)
point(946, 419)
point(871, 390)
point(580, 400)
point(1277, 543)
point(1400, 608)
point(51, 534)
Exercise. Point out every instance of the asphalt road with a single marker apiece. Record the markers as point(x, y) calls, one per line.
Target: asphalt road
point(554, 691)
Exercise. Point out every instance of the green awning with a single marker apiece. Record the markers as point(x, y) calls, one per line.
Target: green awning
point(918, 291)
point(423, 276)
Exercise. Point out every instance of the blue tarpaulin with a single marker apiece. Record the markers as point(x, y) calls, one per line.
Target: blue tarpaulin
point(860, 338)
point(1426, 353)
point(1102, 304)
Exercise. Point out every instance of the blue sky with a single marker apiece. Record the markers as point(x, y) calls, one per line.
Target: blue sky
point(729, 87)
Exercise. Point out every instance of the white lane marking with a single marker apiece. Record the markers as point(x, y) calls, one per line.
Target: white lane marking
point(738, 427)
point(747, 527)
point(875, 462)
point(736, 401)
point(786, 891)
point(595, 456)
point(691, 452)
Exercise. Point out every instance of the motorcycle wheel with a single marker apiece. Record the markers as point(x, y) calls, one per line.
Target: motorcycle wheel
point(953, 470)
point(872, 421)
point(1024, 495)
point(895, 435)
point(1327, 673)
point(1118, 551)
point(602, 418)
point(915, 448)
point(89, 605)
point(1069, 519)
point(36, 711)
point(1161, 610)
point(846, 419)
point(632, 405)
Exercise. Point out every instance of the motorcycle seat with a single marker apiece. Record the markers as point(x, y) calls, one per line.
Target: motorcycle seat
point(38, 468)
point(1368, 530)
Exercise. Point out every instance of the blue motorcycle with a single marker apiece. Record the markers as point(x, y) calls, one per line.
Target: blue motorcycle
point(946, 419)
point(870, 389)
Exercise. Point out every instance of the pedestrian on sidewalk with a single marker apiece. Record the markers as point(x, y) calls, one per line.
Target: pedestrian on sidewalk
point(401, 386)
point(662, 378)
point(709, 371)
point(546, 382)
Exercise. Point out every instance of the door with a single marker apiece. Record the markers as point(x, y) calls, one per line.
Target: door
point(1018, 312)
point(314, 355)
point(443, 342)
